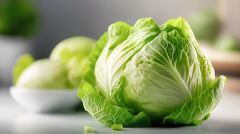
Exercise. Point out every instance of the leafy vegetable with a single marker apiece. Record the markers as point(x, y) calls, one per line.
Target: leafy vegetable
point(107, 113)
point(149, 74)
point(196, 110)
point(22, 63)
point(67, 66)
point(44, 74)
point(74, 47)
point(74, 52)
point(77, 70)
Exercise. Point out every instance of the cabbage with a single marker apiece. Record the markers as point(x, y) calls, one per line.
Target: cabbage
point(66, 67)
point(44, 74)
point(77, 70)
point(74, 52)
point(74, 47)
point(147, 74)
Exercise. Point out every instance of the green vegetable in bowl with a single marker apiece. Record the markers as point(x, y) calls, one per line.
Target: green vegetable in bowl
point(74, 52)
point(74, 47)
point(44, 74)
point(66, 67)
point(146, 74)
point(77, 70)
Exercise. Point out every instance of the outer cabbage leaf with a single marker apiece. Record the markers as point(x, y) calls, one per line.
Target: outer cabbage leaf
point(107, 113)
point(197, 109)
point(100, 44)
point(123, 43)
point(22, 63)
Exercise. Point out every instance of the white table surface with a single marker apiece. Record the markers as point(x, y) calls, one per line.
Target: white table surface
point(14, 119)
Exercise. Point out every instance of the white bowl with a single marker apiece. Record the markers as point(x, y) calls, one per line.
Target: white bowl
point(42, 100)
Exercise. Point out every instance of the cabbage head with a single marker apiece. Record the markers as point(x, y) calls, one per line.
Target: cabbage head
point(42, 74)
point(146, 74)
point(74, 52)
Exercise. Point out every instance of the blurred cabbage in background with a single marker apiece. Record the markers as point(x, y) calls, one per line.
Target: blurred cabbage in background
point(207, 27)
point(227, 43)
point(206, 24)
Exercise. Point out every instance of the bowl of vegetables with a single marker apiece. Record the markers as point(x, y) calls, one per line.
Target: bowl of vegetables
point(49, 85)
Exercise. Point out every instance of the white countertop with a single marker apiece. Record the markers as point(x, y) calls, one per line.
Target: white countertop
point(15, 120)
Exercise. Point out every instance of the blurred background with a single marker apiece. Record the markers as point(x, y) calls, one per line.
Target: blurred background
point(36, 26)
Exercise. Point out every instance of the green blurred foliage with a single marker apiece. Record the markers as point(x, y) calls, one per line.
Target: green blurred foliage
point(228, 43)
point(206, 25)
point(17, 18)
